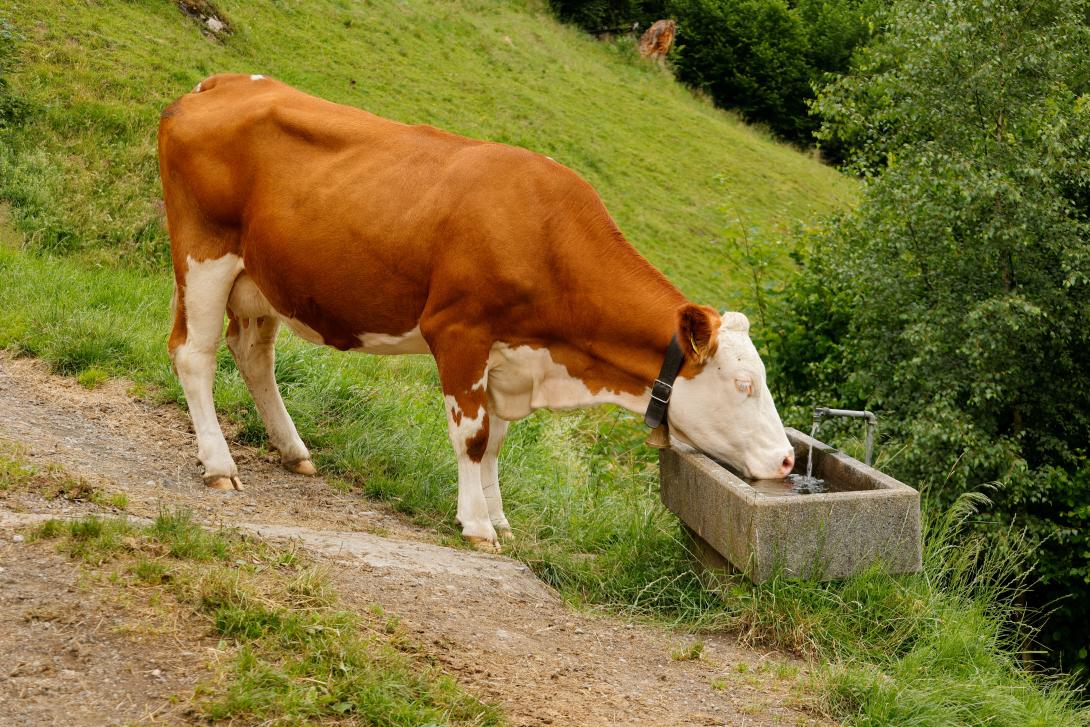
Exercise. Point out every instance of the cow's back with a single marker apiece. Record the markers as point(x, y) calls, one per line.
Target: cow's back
point(355, 224)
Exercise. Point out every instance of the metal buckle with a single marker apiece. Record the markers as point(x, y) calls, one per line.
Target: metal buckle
point(661, 391)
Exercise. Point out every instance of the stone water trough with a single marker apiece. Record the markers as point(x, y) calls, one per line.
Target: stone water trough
point(864, 517)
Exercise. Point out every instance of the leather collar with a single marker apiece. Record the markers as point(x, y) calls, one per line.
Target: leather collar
point(664, 385)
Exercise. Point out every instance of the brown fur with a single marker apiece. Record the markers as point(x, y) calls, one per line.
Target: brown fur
point(354, 224)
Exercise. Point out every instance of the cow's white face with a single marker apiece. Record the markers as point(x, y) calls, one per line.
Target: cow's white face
point(726, 410)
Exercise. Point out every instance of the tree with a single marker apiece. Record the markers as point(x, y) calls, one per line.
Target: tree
point(761, 57)
point(965, 270)
point(751, 55)
point(598, 15)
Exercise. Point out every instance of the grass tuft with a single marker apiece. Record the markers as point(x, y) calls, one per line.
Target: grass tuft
point(92, 378)
point(692, 652)
point(188, 540)
point(93, 539)
point(151, 572)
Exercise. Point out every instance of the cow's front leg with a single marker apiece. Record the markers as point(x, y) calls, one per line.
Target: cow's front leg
point(462, 360)
point(467, 422)
point(490, 475)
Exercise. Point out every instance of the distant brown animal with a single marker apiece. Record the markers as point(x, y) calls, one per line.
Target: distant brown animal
point(369, 235)
point(658, 40)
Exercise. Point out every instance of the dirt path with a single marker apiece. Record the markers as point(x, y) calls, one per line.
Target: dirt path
point(485, 618)
point(71, 655)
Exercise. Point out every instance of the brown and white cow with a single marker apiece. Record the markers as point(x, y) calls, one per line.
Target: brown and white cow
point(369, 235)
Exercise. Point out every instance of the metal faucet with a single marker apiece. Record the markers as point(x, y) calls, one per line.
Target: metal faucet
point(820, 412)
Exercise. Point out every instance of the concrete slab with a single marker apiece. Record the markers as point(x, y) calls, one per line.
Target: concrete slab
point(822, 536)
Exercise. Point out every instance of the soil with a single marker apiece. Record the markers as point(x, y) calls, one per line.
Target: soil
point(69, 652)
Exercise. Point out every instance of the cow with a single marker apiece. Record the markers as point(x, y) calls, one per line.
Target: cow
point(366, 234)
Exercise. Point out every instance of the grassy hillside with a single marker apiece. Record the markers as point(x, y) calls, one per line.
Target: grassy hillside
point(83, 285)
point(93, 77)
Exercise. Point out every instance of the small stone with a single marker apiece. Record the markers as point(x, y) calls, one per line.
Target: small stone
point(157, 673)
point(17, 538)
point(215, 24)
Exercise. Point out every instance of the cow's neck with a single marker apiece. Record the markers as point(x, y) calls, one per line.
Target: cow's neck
point(626, 338)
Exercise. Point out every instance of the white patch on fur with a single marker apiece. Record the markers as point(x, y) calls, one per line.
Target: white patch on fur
point(247, 300)
point(490, 473)
point(383, 343)
point(253, 345)
point(256, 77)
point(522, 379)
point(736, 423)
point(472, 506)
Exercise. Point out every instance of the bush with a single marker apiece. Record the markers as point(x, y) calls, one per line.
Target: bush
point(598, 15)
point(751, 55)
point(954, 299)
point(760, 57)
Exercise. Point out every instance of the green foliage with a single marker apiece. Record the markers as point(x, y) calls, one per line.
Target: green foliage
point(599, 15)
point(955, 298)
point(936, 648)
point(760, 57)
point(750, 55)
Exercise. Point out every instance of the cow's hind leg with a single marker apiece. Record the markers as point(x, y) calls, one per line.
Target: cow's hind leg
point(490, 475)
point(200, 302)
point(251, 337)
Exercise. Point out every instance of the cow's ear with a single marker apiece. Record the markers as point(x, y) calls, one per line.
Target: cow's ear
point(698, 332)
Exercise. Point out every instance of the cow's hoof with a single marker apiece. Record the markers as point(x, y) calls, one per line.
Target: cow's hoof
point(483, 544)
point(301, 467)
point(505, 534)
point(224, 483)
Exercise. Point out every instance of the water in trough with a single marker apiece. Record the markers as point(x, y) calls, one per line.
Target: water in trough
point(797, 483)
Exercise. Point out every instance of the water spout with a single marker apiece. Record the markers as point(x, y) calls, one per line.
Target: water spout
point(872, 423)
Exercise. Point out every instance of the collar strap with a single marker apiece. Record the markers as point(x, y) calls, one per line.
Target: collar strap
point(664, 385)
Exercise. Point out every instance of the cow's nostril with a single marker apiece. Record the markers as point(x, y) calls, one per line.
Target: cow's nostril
point(788, 464)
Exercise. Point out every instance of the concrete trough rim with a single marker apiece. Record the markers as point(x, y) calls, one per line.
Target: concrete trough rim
point(885, 486)
point(731, 522)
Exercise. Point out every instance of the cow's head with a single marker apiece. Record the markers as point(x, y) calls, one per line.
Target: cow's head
point(725, 409)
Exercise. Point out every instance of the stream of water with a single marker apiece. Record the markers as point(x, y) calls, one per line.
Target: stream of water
point(808, 484)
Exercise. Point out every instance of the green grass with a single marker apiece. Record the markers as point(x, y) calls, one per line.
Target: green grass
point(712, 203)
point(295, 657)
point(92, 78)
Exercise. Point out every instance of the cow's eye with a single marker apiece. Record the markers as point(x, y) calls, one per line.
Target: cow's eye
point(744, 385)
